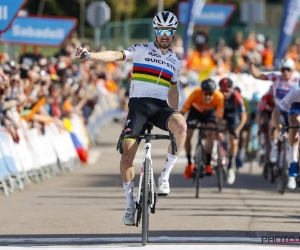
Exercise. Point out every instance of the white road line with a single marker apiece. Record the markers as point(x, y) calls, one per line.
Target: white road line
point(161, 247)
point(100, 240)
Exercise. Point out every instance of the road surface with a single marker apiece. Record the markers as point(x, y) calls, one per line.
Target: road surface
point(86, 207)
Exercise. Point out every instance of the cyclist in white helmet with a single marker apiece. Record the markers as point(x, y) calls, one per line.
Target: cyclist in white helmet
point(282, 83)
point(153, 83)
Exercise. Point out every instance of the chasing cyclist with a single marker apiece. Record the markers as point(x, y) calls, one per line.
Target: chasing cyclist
point(291, 103)
point(282, 83)
point(154, 80)
point(266, 107)
point(205, 105)
point(235, 117)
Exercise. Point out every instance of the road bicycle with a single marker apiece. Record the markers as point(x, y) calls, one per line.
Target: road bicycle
point(147, 194)
point(218, 162)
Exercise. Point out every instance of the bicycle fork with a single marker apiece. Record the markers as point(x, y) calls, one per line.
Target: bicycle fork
point(147, 154)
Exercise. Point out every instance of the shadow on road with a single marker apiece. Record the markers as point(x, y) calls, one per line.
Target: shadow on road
point(243, 181)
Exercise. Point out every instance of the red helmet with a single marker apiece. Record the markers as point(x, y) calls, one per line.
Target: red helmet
point(225, 83)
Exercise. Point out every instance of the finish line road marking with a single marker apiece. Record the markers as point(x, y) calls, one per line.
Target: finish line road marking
point(157, 247)
point(112, 240)
point(81, 242)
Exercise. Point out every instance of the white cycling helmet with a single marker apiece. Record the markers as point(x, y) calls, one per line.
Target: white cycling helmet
point(287, 63)
point(165, 19)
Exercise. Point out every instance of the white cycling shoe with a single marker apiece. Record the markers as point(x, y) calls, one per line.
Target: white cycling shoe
point(230, 176)
point(292, 183)
point(129, 216)
point(163, 187)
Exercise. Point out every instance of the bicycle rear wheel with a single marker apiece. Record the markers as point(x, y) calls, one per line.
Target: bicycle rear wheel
point(198, 165)
point(220, 167)
point(145, 203)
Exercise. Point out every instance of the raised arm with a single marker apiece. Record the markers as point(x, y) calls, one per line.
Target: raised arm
point(104, 56)
point(255, 72)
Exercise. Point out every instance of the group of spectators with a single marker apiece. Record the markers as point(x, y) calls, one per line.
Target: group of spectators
point(225, 57)
point(41, 89)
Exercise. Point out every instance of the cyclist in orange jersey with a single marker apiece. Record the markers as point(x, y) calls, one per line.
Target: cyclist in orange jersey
point(205, 105)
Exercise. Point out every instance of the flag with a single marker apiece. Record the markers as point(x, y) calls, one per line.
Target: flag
point(81, 151)
point(195, 9)
point(291, 12)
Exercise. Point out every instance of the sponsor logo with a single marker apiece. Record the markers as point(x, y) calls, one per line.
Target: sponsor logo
point(131, 49)
point(154, 60)
point(171, 59)
point(145, 45)
point(127, 122)
point(153, 54)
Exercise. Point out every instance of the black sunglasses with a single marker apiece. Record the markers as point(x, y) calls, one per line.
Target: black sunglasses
point(284, 69)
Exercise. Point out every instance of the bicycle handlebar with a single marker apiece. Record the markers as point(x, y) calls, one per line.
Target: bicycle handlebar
point(288, 127)
point(147, 136)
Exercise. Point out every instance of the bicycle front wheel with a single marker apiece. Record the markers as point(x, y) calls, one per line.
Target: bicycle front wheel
point(145, 205)
point(220, 167)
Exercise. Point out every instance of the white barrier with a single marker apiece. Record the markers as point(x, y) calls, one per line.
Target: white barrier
point(36, 156)
point(105, 110)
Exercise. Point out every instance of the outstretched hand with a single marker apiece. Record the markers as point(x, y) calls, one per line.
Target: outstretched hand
point(82, 53)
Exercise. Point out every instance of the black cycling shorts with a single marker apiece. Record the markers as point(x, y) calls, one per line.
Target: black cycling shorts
point(195, 117)
point(142, 110)
point(232, 121)
point(267, 114)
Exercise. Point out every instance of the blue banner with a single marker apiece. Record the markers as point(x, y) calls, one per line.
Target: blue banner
point(44, 31)
point(194, 10)
point(210, 15)
point(8, 11)
point(291, 12)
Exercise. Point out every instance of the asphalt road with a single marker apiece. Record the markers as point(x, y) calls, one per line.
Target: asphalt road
point(89, 204)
